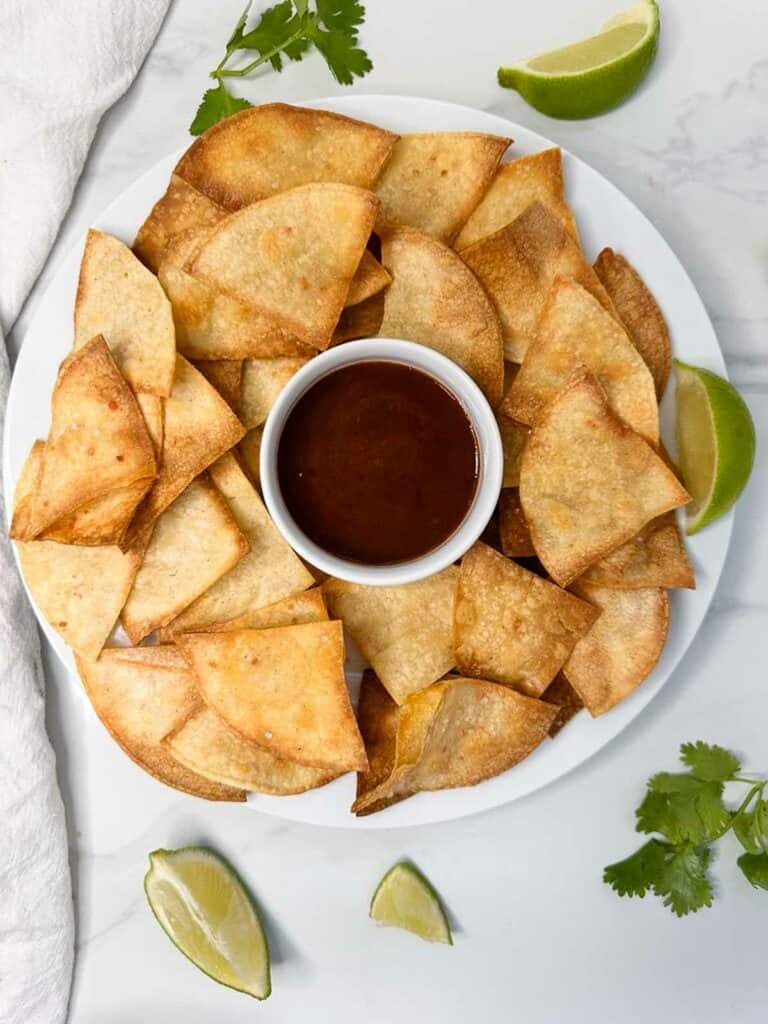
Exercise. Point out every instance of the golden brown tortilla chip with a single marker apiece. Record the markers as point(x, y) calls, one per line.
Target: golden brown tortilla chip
point(434, 180)
point(639, 312)
point(307, 606)
point(263, 380)
point(283, 689)
point(140, 694)
point(517, 265)
point(622, 647)
point(587, 482)
point(436, 301)
point(360, 321)
point(273, 147)
point(97, 443)
point(575, 330)
point(199, 427)
point(118, 297)
point(153, 411)
point(536, 177)
point(104, 520)
point(405, 632)
point(249, 453)
point(292, 256)
point(27, 484)
point(511, 626)
point(513, 440)
point(207, 746)
point(514, 535)
point(180, 209)
point(370, 279)
point(194, 543)
point(655, 557)
point(225, 375)
point(564, 697)
point(269, 572)
point(377, 716)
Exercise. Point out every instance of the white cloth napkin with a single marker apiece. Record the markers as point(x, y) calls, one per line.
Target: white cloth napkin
point(64, 63)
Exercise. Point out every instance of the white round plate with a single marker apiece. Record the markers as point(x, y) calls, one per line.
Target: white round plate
point(605, 217)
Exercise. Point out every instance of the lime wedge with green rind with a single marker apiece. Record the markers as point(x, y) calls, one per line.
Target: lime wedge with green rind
point(405, 899)
point(593, 75)
point(715, 442)
point(204, 909)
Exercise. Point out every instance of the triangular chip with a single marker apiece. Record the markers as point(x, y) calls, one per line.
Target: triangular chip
point(98, 442)
point(273, 147)
point(575, 330)
point(377, 717)
point(307, 606)
point(206, 745)
point(104, 520)
point(180, 209)
point(360, 321)
point(226, 376)
point(436, 301)
point(292, 256)
point(511, 626)
point(370, 279)
point(249, 454)
point(514, 535)
point(513, 440)
point(434, 180)
point(282, 688)
point(588, 483)
point(141, 694)
point(199, 427)
point(517, 184)
point(118, 297)
point(405, 632)
point(622, 647)
point(639, 312)
point(194, 543)
point(263, 380)
point(655, 557)
point(517, 265)
point(564, 697)
point(269, 571)
point(153, 411)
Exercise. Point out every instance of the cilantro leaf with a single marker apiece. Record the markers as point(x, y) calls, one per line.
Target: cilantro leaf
point(755, 869)
point(682, 808)
point(345, 60)
point(237, 32)
point(709, 762)
point(276, 31)
point(343, 15)
point(638, 873)
point(683, 883)
point(217, 103)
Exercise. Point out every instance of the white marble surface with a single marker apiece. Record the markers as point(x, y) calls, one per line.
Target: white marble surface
point(539, 937)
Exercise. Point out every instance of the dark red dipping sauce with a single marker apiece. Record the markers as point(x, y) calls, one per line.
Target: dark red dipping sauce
point(378, 463)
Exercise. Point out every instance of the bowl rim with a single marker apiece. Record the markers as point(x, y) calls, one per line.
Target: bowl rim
point(490, 452)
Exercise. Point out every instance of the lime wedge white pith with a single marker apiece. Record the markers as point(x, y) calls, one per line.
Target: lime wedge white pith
point(715, 441)
point(405, 899)
point(202, 906)
point(593, 75)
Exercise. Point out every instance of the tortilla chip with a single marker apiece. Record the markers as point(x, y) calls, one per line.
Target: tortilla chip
point(405, 632)
point(194, 543)
point(514, 534)
point(360, 321)
point(180, 209)
point(564, 697)
point(118, 297)
point(273, 147)
point(226, 376)
point(97, 443)
point(655, 557)
point(377, 717)
point(587, 482)
point(199, 428)
point(511, 626)
point(263, 380)
point(268, 572)
point(153, 411)
point(370, 279)
point(536, 177)
point(639, 312)
point(306, 606)
point(292, 256)
point(140, 694)
point(27, 484)
point(574, 330)
point(513, 440)
point(104, 520)
point(434, 180)
point(207, 746)
point(621, 649)
point(435, 300)
point(282, 688)
point(517, 266)
point(249, 454)
point(459, 732)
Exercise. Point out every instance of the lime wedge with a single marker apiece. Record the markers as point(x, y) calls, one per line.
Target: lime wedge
point(591, 76)
point(715, 441)
point(405, 899)
point(202, 906)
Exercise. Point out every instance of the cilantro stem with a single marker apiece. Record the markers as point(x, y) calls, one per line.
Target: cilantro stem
point(267, 55)
point(756, 790)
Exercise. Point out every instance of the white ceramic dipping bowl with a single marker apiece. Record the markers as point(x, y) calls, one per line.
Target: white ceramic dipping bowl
point(475, 405)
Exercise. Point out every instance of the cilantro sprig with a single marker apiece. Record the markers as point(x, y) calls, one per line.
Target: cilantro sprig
point(285, 32)
point(686, 810)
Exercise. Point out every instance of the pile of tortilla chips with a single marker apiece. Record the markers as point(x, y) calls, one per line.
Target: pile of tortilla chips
point(284, 231)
